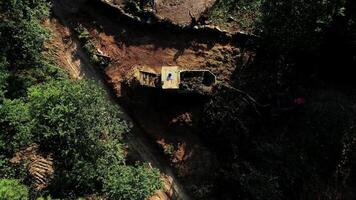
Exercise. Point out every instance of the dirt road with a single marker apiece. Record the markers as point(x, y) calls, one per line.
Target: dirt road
point(72, 57)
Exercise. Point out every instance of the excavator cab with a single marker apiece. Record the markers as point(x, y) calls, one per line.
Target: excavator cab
point(170, 77)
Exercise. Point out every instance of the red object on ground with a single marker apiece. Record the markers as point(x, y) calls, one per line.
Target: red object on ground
point(299, 101)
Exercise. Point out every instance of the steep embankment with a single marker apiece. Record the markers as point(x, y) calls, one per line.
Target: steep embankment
point(68, 53)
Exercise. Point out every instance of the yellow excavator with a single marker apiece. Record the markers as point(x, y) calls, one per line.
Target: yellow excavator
point(175, 78)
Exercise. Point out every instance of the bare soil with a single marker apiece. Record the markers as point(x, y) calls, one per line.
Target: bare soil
point(176, 11)
point(132, 45)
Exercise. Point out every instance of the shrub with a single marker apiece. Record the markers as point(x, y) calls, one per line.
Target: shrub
point(74, 121)
point(243, 13)
point(3, 78)
point(131, 183)
point(12, 189)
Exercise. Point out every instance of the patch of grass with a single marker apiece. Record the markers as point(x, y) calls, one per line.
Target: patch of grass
point(169, 149)
point(89, 45)
point(240, 15)
point(82, 32)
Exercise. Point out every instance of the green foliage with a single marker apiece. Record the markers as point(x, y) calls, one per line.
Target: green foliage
point(16, 125)
point(21, 44)
point(15, 133)
point(4, 74)
point(75, 122)
point(297, 25)
point(168, 149)
point(25, 41)
point(131, 183)
point(285, 25)
point(55, 106)
point(46, 198)
point(6, 170)
point(242, 14)
point(83, 33)
point(24, 9)
point(89, 45)
point(12, 189)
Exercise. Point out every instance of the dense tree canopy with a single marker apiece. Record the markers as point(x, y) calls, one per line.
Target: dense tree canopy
point(70, 120)
point(276, 148)
point(3, 78)
point(73, 121)
point(21, 41)
point(298, 25)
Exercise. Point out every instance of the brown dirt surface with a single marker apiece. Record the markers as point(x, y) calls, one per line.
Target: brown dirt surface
point(58, 48)
point(176, 11)
point(130, 46)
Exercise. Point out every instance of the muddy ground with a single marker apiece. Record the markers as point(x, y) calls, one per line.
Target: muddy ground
point(168, 119)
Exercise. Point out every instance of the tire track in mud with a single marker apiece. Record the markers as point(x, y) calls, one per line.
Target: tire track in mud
point(79, 66)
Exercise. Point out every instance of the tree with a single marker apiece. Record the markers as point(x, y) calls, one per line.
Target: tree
point(3, 78)
point(25, 9)
point(21, 44)
point(83, 130)
point(73, 121)
point(12, 189)
point(15, 125)
point(296, 26)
